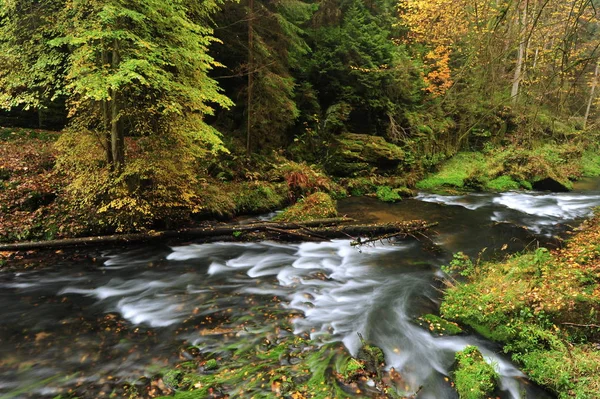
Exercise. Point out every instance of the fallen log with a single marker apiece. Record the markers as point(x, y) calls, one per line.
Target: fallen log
point(316, 230)
point(181, 234)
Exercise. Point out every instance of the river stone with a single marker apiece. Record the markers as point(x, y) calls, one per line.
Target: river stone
point(356, 154)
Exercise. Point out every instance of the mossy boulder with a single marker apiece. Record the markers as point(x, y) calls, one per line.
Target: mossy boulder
point(359, 154)
point(315, 206)
point(387, 194)
point(474, 378)
point(439, 326)
point(372, 358)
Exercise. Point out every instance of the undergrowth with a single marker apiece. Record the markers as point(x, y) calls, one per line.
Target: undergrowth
point(542, 306)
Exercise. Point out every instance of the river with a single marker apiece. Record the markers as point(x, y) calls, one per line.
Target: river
point(94, 322)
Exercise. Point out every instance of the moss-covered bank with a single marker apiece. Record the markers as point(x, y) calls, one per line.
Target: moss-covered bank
point(546, 167)
point(543, 307)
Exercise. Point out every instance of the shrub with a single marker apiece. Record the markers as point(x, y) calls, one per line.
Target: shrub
point(315, 206)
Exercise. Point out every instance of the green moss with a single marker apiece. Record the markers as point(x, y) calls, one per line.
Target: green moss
point(386, 194)
point(211, 364)
point(502, 183)
point(438, 325)
point(361, 154)
point(590, 164)
point(352, 367)
point(526, 185)
point(455, 173)
point(527, 302)
point(315, 206)
point(474, 378)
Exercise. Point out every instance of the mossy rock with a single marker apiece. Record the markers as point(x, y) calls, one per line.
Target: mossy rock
point(464, 171)
point(372, 358)
point(502, 183)
point(387, 194)
point(356, 154)
point(211, 364)
point(439, 326)
point(173, 378)
point(315, 206)
point(474, 378)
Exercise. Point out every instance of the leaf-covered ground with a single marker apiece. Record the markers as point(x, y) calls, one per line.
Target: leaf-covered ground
point(544, 307)
point(29, 187)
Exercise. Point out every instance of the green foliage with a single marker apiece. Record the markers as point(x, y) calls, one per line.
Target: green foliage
point(386, 194)
point(512, 167)
point(160, 186)
point(31, 70)
point(460, 264)
point(363, 79)
point(351, 368)
point(315, 206)
point(258, 197)
point(278, 45)
point(474, 377)
point(590, 164)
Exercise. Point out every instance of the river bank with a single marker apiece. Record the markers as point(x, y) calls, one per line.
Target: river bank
point(542, 306)
point(39, 204)
point(122, 319)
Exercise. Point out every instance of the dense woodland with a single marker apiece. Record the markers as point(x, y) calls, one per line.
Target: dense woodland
point(162, 104)
point(135, 116)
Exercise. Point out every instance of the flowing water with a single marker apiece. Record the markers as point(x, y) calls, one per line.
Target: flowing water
point(127, 315)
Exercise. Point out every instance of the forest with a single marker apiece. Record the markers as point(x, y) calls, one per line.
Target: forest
point(251, 121)
point(163, 108)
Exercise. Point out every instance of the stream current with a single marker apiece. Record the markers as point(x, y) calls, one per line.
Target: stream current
point(129, 314)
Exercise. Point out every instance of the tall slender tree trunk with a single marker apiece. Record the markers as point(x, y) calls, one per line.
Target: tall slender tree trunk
point(250, 73)
point(592, 92)
point(106, 124)
point(116, 133)
point(514, 93)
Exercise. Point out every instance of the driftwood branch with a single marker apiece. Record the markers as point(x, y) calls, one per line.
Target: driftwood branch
point(408, 229)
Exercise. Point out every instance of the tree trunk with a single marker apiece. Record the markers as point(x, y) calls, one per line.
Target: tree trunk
point(521, 55)
point(106, 125)
point(592, 92)
point(250, 73)
point(116, 132)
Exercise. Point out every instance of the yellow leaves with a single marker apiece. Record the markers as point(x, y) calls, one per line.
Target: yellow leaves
point(438, 79)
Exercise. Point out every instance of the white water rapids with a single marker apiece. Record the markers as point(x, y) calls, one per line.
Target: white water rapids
point(48, 317)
